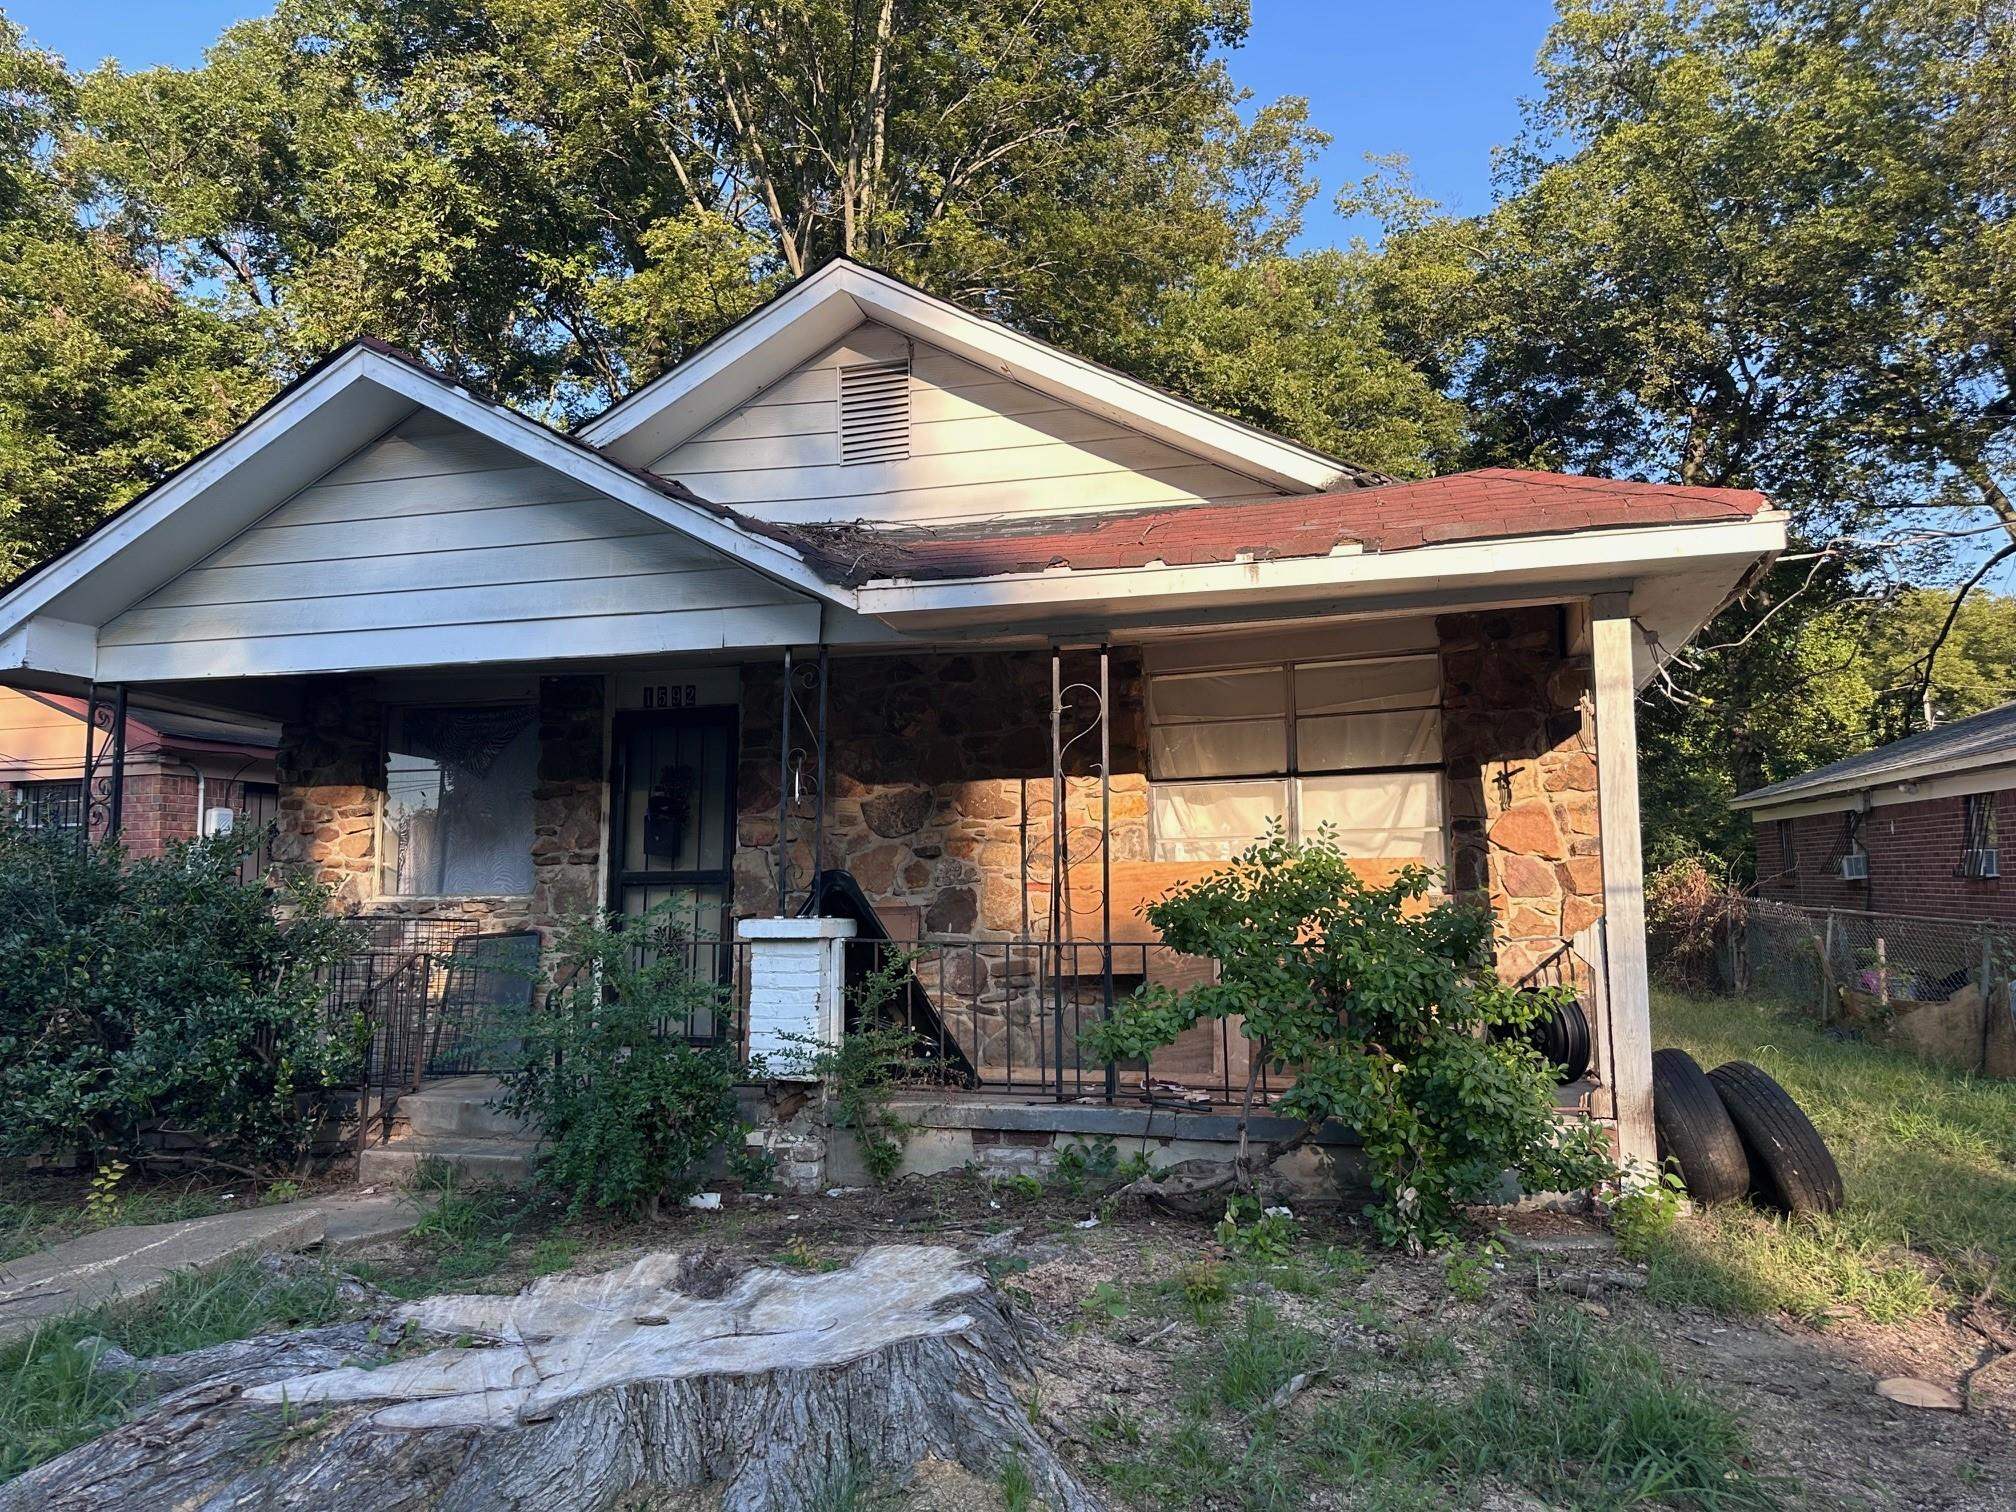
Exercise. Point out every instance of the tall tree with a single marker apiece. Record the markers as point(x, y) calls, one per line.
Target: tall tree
point(1760, 243)
point(109, 379)
point(561, 197)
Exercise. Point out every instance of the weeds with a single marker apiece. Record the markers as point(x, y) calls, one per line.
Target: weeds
point(1927, 1155)
point(52, 1397)
point(1573, 1416)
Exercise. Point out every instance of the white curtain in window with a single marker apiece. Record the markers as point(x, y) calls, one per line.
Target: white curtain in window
point(1210, 821)
point(1248, 694)
point(1378, 815)
point(1401, 682)
point(458, 801)
point(1243, 748)
point(1405, 737)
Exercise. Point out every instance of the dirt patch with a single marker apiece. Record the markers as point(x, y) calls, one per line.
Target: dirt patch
point(1118, 1341)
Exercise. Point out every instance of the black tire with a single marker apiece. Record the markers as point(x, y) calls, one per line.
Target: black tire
point(1562, 1038)
point(1790, 1165)
point(1695, 1130)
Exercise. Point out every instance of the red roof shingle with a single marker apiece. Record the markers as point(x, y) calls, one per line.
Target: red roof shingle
point(1489, 504)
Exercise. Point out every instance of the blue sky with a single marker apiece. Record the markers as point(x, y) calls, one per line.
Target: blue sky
point(1437, 80)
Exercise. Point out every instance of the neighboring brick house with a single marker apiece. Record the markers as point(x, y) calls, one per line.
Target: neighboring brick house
point(182, 769)
point(1912, 827)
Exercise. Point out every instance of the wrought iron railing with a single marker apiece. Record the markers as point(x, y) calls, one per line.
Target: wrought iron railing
point(1013, 1013)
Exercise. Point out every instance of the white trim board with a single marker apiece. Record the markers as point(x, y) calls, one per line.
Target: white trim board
point(1990, 775)
point(820, 309)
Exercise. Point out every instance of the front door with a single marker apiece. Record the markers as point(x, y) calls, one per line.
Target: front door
point(674, 823)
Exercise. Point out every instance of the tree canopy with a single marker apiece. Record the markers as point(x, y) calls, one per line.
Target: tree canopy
point(1759, 243)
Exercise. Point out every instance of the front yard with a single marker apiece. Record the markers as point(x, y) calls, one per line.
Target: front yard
point(1175, 1370)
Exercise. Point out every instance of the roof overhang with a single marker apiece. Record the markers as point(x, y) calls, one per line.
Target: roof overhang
point(1949, 777)
point(818, 310)
point(1678, 576)
point(49, 619)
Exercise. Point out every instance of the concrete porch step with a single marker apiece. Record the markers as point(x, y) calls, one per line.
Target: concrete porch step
point(479, 1161)
point(458, 1108)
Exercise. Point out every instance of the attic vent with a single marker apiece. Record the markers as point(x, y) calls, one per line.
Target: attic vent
point(875, 412)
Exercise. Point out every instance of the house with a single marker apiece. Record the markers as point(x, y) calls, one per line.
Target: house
point(184, 769)
point(1911, 827)
point(871, 583)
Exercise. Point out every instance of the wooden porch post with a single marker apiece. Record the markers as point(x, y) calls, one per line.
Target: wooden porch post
point(1613, 636)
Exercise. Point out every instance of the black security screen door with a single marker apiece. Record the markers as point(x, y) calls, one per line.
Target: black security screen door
point(674, 787)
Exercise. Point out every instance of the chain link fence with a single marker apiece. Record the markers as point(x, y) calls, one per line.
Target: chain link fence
point(1938, 987)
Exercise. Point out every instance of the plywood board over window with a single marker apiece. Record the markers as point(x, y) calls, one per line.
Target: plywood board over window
point(1348, 742)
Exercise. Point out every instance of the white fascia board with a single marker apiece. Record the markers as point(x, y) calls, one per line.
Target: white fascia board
point(1948, 778)
point(47, 647)
point(1601, 555)
point(751, 356)
point(535, 442)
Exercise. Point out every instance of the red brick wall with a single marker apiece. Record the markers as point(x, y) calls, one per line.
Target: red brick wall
point(1914, 861)
point(159, 808)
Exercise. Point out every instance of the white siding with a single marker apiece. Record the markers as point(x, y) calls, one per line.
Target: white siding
point(981, 446)
point(434, 537)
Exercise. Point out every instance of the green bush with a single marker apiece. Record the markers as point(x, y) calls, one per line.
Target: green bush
point(163, 995)
point(630, 1113)
point(1377, 1001)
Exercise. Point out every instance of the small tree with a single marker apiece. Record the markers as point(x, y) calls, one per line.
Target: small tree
point(629, 1110)
point(1379, 1002)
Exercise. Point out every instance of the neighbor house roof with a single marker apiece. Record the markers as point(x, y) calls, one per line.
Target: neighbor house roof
point(1983, 740)
point(1493, 503)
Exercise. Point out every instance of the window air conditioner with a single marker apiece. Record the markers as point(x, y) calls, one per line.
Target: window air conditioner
point(1855, 867)
point(1980, 862)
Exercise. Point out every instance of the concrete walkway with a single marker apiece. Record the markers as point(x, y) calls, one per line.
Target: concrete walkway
point(121, 1264)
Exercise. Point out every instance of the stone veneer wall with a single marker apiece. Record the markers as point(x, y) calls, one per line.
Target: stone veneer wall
point(939, 780)
point(331, 770)
point(1518, 742)
point(940, 784)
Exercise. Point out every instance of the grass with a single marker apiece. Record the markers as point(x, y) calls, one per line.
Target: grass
point(50, 1397)
point(1927, 1156)
point(1576, 1416)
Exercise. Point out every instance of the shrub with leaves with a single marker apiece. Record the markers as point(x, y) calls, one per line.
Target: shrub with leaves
point(140, 996)
point(630, 1111)
point(1377, 1001)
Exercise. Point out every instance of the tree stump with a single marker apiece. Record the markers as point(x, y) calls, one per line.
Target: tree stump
point(767, 1391)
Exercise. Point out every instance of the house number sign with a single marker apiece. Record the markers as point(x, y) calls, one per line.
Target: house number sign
point(671, 695)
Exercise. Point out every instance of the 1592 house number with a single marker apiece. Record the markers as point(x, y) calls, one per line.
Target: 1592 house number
point(672, 696)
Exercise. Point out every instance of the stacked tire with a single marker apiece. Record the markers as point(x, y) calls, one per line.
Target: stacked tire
point(1734, 1132)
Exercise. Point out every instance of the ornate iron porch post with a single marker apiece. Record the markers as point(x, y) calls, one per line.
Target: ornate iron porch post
point(102, 793)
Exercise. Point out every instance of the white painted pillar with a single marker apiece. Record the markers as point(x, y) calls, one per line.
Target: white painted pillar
point(797, 984)
point(1613, 641)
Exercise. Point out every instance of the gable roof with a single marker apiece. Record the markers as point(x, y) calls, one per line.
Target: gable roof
point(816, 311)
point(1489, 504)
point(338, 406)
point(1981, 740)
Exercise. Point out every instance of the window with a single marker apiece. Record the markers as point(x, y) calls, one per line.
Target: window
point(1788, 850)
point(1979, 858)
point(457, 815)
point(49, 805)
point(1356, 745)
